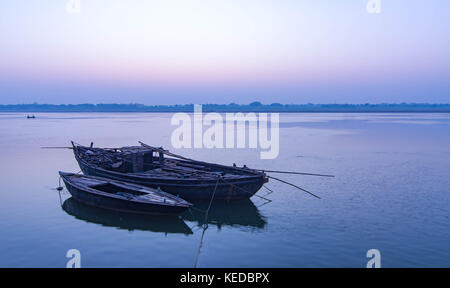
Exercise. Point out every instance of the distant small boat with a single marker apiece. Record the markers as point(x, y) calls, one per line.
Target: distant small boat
point(31, 117)
point(121, 196)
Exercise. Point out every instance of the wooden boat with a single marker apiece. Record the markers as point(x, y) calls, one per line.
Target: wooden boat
point(156, 167)
point(121, 196)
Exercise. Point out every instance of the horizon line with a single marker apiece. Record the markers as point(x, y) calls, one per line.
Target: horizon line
point(255, 107)
point(254, 104)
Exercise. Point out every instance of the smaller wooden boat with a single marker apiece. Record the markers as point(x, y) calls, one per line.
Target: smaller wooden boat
point(122, 196)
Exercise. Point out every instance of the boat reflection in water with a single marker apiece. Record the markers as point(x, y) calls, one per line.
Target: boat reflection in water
point(242, 214)
point(164, 224)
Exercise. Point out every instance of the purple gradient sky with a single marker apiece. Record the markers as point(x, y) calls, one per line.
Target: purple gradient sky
point(221, 51)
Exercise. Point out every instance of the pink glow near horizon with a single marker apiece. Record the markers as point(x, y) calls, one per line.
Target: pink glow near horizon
point(218, 42)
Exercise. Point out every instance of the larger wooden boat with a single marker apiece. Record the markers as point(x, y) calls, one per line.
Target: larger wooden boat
point(158, 168)
point(121, 196)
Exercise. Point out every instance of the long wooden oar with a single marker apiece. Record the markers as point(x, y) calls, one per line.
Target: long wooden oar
point(56, 147)
point(237, 168)
point(296, 173)
point(274, 178)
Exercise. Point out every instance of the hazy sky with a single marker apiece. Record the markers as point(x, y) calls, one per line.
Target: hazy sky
point(221, 51)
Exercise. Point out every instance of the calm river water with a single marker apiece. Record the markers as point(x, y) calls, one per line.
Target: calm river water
point(391, 192)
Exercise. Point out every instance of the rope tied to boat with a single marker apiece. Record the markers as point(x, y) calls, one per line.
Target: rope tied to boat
point(212, 198)
point(60, 187)
point(199, 247)
point(205, 224)
point(246, 191)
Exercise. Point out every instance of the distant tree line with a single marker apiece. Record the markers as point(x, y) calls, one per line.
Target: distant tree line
point(232, 107)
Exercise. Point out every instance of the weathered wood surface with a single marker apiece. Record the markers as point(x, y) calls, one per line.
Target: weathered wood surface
point(191, 180)
point(125, 197)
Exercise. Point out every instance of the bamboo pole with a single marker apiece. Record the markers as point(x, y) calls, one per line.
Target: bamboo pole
point(285, 182)
point(296, 173)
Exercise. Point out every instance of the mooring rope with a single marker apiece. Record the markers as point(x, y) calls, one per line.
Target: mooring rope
point(59, 188)
point(200, 246)
point(205, 224)
point(271, 191)
point(212, 198)
point(246, 191)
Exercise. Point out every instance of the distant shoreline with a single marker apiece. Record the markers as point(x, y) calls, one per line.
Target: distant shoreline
point(232, 108)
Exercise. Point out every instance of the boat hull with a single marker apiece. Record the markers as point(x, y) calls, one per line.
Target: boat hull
point(121, 205)
point(190, 190)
